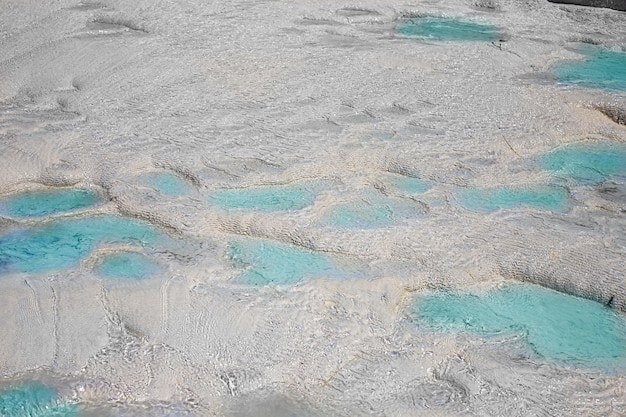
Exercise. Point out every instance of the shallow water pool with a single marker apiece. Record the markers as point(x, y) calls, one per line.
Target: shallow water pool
point(542, 197)
point(264, 199)
point(358, 215)
point(553, 325)
point(601, 68)
point(582, 163)
point(410, 185)
point(168, 184)
point(265, 262)
point(127, 265)
point(35, 204)
point(34, 400)
point(447, 29)
point(61, 244)
point(373, 210)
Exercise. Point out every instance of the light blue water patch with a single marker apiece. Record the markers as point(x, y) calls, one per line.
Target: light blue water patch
point(542, 197)
point(168, 184)
point(264, 199)
point(447, 29)
point(554, 325)
point(586, 163)
point(127, 265)
point(410, 185)
point(35, 400)
point(372, 211)
point(266, 262)
point(61, 244)
point(601, 68)
point(358, 215)
point(45, 203)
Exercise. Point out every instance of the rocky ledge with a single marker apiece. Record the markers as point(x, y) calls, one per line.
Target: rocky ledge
point(611, 4)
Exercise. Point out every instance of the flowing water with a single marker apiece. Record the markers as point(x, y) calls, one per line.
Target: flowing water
point(312, 208)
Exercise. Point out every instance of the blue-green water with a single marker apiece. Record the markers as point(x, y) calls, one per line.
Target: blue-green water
point(45, 203)
point(63, 243)
point(543, 197)
point(554, 325)
point(374, 210)
point(264, 199)
point(410, 185)
point(591, 163)
point(601, 68)
point(358, 215)
point(127, 265)
point(168, 184)
point(447, 29)
point(34, 400)
point(268, 262)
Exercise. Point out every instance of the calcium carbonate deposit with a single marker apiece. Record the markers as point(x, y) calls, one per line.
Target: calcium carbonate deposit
point(312, 208)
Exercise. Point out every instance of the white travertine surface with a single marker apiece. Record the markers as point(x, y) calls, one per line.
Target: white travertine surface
point(322, 95)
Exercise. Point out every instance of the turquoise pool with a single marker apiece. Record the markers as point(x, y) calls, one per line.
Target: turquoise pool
point(34, 400)
point(601, 68)
point(447, 29)
point(33, 204)
point(265, 262)
point(167, 183)
point(553, 325)
point(127, 265)
point(586, 163)
point(61, 244)
point(542, 197)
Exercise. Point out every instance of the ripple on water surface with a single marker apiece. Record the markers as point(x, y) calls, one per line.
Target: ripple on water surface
point(34, 400)
point(127, 265)
point(266, 262)
point(35, 204)
point(542, 197)
point(556, 326)
point(601, 68)
point(63, 243)
point(591, 163)
point(447, 29)
point(264, 199)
